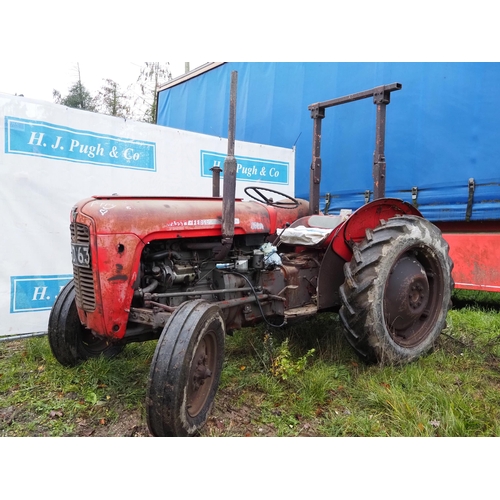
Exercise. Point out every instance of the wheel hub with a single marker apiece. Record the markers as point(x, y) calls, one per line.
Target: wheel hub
point(202, 368)
point(407, 294)
point(201, 372)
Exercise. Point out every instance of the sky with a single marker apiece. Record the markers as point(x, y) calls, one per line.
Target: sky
point(38, 39)
point(36, 79)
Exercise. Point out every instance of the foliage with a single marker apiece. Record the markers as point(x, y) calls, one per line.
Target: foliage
point(111, 100)
point(78, 96)
point(283, 366)
point(114, 101)
point(151, 76)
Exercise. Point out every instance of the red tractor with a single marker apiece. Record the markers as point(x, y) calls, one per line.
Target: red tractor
point(187, 271)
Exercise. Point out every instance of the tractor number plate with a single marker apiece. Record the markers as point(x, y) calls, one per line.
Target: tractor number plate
point(80, 255)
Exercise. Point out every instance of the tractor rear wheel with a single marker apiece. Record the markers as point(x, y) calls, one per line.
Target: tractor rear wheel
point(69, 340)
point(185, 371)
point(397, 291)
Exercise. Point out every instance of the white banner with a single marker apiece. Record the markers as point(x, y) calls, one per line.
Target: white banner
point(54, 156)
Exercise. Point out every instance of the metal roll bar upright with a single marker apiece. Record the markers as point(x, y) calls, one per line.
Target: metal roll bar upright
point(381, 97)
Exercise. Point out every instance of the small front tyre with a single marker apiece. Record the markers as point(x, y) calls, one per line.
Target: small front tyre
point(69, 340)
point(185, 371)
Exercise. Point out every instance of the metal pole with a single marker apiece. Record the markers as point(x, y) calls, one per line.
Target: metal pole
point(230, 170)
point(216, 181)
point(22, 336)
point(315, 175)
point(379, 164)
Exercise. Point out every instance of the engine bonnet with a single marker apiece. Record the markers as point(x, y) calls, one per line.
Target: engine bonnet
point(145, 215)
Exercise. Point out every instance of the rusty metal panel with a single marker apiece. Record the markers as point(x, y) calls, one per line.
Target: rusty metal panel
point(152, 218)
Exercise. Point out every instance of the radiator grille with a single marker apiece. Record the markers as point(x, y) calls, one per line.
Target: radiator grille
point(84, 278)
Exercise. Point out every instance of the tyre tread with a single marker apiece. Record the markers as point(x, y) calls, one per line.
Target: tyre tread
point(361, 275)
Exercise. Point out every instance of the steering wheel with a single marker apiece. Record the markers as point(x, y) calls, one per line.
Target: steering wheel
point(293, 203)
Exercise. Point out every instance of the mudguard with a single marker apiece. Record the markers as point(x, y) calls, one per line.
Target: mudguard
point(342, 239)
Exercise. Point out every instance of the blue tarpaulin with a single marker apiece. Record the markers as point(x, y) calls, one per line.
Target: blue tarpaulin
point(443, 127)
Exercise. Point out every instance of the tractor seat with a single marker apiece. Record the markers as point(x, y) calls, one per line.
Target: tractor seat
point(310, 230)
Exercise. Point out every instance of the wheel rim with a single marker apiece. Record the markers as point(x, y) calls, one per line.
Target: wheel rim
point(201, 380)
point(412, 297)
point(92, 344)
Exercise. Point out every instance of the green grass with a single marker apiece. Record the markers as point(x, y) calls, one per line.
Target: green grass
point(303, 380)
point(42, 398)
point(454, 391)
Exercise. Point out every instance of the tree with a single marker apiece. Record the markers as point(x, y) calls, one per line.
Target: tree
point(111, 100)
point(152, 75)
point(78, 96)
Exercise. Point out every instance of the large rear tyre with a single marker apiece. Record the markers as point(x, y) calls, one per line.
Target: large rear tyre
point(185, 370)
point(397, 291)
point(69, 340)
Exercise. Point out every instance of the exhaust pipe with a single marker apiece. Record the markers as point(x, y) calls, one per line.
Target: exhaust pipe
point(229, 184)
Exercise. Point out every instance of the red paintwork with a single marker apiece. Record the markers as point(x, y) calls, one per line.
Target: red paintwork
point(476, 259)
point(130, 223)
point(121, 227)
point(367, 217)
point(475, 251)
point(159, 218)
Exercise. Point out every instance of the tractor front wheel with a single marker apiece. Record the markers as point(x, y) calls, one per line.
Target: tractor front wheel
point(185, 371)
point(69, 340)
point(397, 291)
